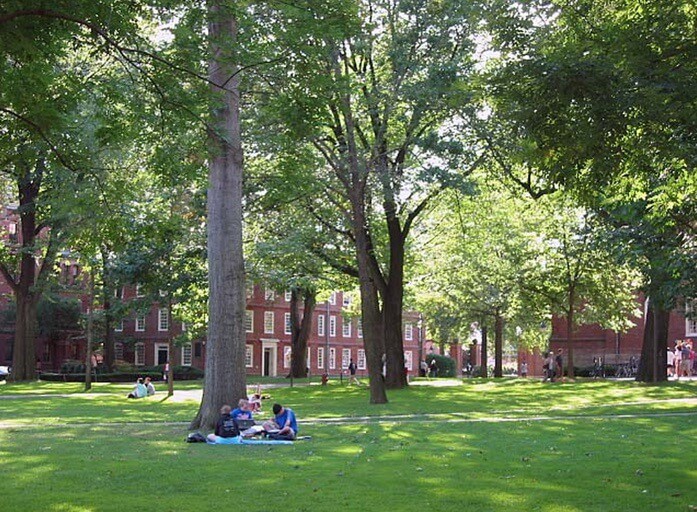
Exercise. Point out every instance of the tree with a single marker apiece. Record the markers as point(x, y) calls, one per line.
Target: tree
point(616, 127)
point(225, 350)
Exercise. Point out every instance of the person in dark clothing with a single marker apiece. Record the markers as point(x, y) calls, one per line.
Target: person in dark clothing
point(559, 365)
point(226, 426)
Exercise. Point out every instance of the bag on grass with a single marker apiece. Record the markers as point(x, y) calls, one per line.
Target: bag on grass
point(195, 437)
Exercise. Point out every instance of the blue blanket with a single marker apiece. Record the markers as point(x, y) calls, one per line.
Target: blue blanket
point(241, 440)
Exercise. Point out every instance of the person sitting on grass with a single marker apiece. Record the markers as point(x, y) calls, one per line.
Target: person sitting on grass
point(284, 425)
point(225, 429)
point(139, 390)
point(149, 386)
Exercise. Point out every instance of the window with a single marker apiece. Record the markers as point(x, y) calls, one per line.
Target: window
point(269, 294)
point(248, 356)
point(163, 319)
point(286, 323)
point(249, 288)
point(346, 328)
point(268, 322)
point(320, 325)
point(332, 326)
point(119, 326)
point(332, 358)
point(320, 358)
point(288, 296)
point(183, 327)
point(140, 354)
point(139, 291)
point(361, 359)
point(691, 317)
point(286, 357)
point(198, 349)
point(140, 323)
point(118, 292)
point(249, 321)
point(408, 332)
point(186, 355)
point(332, 299)
point(408, 358)
point(347, 300)
point(359, 328)
point(345, 357)
point(118, 351)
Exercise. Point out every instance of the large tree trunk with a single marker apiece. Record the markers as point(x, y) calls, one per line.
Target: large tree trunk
point(90, 335)
point(485, 351)
point(652, 365)
point(300, 331)
point(225, 380)
point(392, 324)
point(498, 345)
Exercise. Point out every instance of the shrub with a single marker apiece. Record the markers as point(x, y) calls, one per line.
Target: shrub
point(446, 365)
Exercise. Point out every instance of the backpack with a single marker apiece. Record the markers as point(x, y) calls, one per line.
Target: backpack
point(195, 437)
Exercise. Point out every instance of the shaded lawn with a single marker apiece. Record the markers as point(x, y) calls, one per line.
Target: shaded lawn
point(559, 465)
point(473, 399)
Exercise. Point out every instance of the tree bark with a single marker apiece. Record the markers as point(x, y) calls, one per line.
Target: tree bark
point(392, 300)
point(300, 330)
point(90, 334)
point(225, 380)
point(652, 365)
point(498, 345)
point(485, 354)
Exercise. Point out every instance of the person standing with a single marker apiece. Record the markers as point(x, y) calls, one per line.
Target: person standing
point(524, 369)
point(352, 373)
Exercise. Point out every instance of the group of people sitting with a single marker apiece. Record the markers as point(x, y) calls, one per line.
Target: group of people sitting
point(233, 423)
point(143, 388)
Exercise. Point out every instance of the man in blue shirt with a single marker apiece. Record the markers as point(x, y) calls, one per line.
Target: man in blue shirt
point(284, 422)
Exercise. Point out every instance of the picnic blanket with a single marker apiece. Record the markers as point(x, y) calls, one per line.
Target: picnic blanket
point(241, 440)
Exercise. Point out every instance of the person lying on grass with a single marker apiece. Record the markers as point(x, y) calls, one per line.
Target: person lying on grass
point(284, 425)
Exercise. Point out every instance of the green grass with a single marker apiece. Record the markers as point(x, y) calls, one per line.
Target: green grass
point(482, 445)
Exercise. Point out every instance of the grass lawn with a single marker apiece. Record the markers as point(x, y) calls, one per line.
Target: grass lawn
point(482, 445)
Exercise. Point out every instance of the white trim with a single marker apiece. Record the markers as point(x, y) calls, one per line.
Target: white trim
point(346, 327)
point(286, 324)
point(332, 326)
point(191, 354)
point(321, 325)
point(269, 321)
point(361, 359)
point(690, 323)
point(345, 358)
point(332, 358)
point(139, 349)
point(140, 319)
point(248, 355)
point(320, 358)
point(163, 319)
point(248, 320)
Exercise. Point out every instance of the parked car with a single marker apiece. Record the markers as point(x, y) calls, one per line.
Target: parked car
point(4, 372)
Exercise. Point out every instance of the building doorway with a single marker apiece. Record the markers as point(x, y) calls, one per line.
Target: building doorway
point(161, 353)
point(269, 356)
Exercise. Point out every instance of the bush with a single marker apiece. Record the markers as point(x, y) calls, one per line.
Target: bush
point(72, 366)
point(446, 365)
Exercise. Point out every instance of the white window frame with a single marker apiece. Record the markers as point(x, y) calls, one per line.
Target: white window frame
point(118, 351)
point(409, 359)
point(269, 294)
point(332, 358)
point(320, 358)
point(332, 299)
point(361, 359)
point(269, 321)
point(163, 319)
point(346, 300)
point(320, 325)
point(140, 323)
point(359, 328)
point(346, 327)
point(248, 356)
point(119, 326)
point(286, 324)
point(345, 358)
point(139, 290)
point(332, 326)
point(288, 295)
point(118, 292)
point(139, 354)
point(408, 332)
point(287, 354)
point(187, 354)
point(690, 323)
point(249, 289)
point(248, 320)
